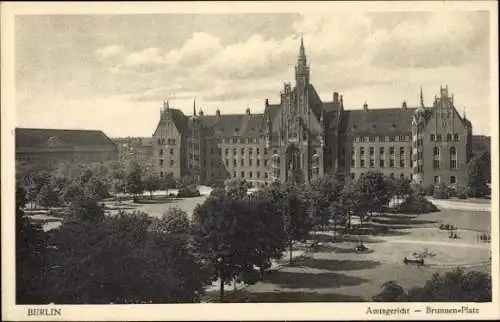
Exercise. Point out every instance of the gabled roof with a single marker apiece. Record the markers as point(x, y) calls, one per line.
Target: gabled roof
point(29, 137)
point(383, 121)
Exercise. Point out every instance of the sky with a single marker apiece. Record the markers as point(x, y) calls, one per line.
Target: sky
point(113, 72)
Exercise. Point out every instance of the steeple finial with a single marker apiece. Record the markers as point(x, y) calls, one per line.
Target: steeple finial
point(421, 97)
point(194, 107)
point(302, 51)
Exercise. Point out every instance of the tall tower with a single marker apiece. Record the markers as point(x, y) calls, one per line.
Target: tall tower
point(302, 69)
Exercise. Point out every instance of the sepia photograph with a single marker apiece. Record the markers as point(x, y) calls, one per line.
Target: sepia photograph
point(197, 154)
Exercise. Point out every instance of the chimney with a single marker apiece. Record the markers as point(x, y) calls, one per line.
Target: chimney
point(248, 111)
point(365, 106)
point(335, 97)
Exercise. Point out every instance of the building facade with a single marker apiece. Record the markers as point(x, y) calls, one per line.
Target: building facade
point(302, 138)
point(139, 149)
point(49, 147)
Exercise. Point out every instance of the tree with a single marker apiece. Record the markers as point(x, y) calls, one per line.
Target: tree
point(477, 173)
point(169, 181)
point(237, 188)
point(351, 198)
point(173, 221)
point(86, 209)
point(268, 230)
point(31, 249)
point(441, 191)
point(297, 220)
point(47, 197)
point(72, 192)
point(151, 183)
point(150, 269)
point(323, 196)
point(96, 188)
point(400, 189)
point(134, 179)
point(85, 175)
point(222, 232)
point(374, 192)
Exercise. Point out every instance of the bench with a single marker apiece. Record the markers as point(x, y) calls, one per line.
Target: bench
point(419, 262)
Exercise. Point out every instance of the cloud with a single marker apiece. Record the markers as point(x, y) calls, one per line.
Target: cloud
point(347, 52)
point(443, 39)
point(196, 50)
point(111, 51)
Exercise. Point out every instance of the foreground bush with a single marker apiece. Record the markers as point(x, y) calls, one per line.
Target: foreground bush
point(461, 192)
point(122, 259)
point(453, 286)
point(416, 204)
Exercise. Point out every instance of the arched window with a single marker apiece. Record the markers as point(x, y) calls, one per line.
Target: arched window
point(453, 158)
point(436, 151)
point(433, 137)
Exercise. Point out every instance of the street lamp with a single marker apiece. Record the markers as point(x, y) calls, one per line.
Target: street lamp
point(221, 277)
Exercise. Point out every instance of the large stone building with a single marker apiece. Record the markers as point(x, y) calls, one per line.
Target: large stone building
point(47, 148)
point(301, 138)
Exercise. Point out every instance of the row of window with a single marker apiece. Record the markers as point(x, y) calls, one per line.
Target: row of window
point(250, 174)
point(449, 137)
point(381, 138)
point(381, 163)
point(237, 140)
point(381, 150)
point(242, 163)
point(402, 176)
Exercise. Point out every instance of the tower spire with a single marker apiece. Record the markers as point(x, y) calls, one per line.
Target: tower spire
point(421, 97)
point(194, 107)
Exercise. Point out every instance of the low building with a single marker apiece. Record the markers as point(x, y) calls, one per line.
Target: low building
point(49, 147)
point(135, 148)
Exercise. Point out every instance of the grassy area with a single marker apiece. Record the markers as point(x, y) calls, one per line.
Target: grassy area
point(333, 272)
point(462, 219)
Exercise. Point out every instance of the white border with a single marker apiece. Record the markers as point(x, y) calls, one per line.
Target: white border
point(281, 311)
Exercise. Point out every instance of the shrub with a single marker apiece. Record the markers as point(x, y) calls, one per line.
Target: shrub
point(188, 192)
point(441, 191)
point(461, 192)
point(416, 204)
point(429, 190)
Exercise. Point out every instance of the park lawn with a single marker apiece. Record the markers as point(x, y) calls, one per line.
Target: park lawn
point(333, 273)
point(462, 219)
